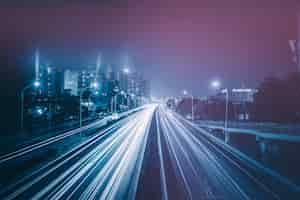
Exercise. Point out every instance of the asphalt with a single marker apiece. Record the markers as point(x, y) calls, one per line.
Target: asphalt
point(153, 154)
point(181, 162)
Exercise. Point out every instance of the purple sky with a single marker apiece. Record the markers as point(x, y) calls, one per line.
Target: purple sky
point(178, 44)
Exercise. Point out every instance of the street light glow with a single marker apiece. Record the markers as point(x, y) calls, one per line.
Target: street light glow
point(39, 111)
point(95, 85)
point(36, 84)
point(215, 84)
point(126, 70)
point(185, 92)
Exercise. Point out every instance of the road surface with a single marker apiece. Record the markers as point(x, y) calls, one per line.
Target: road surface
point(152, 154)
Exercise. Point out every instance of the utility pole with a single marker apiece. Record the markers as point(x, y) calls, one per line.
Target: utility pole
point(227, 136)
point(192, 108)
point(37, 65)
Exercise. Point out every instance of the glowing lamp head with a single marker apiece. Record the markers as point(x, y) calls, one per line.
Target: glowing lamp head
point(185, 92)
point(95, 85)
point(36, 84)
point(39, 111)
point(126, 70)
point(215, 84)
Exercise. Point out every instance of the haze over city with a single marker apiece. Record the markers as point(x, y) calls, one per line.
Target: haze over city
point(151, 99)
point(240, 45)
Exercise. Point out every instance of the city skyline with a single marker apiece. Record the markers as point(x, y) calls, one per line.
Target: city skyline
point(151, 99)
point(194, 44)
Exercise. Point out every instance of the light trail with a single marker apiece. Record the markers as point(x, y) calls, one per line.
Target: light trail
point(119, 167)
point(243, 157)
point(37, 176)
point(176, 160)
point(201, 164)
point(115, 154)
point(66, 180)
point(192, 170)
point(186, 163)
point(161, 159)
point(213, 171)
point(57, 138)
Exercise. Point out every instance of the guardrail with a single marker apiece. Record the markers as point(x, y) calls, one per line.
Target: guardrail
point(265, 135)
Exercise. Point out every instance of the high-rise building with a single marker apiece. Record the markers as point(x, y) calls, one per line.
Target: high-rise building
point(145, 88)
point(53, 81)
point(123, 81)
point(71, 81)
point(133, 80)
point(86, 78)
point(110, 75)
point(138, 85)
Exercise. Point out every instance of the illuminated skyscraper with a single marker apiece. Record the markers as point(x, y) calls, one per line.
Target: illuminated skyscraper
point(123, 81)
point(52, 81)
point(37, 65)
point(71, 81)
point(86, 78)
point(110, 75)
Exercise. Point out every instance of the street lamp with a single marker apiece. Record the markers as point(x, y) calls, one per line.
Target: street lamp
point(123, 94)
point(185, 93)
point(35, 84)
point(216, 84)
point(126, 70)
point(39, 111)
point(132, 95)
point(114, 99)
point(94, 85)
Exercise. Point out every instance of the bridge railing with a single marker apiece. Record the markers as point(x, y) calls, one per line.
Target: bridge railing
point(259, 134)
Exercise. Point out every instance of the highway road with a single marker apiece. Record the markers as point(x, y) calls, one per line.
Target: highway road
point(152, 154)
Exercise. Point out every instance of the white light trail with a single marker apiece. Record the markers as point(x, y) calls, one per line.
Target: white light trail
point(129, 140)
point(199, 168)
point(161, 160)
point(57, 138)
point(108, 165)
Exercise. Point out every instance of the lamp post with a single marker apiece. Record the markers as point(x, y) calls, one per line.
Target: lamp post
point(216, 84)
point(93, 85)
point(185, 93)
point(126, 70)
point(132, 95)
point(226, 115)
point(116, 91)
point(35, 84)
point(123, 94)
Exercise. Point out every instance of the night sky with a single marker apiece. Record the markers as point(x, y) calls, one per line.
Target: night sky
point(177, 44)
